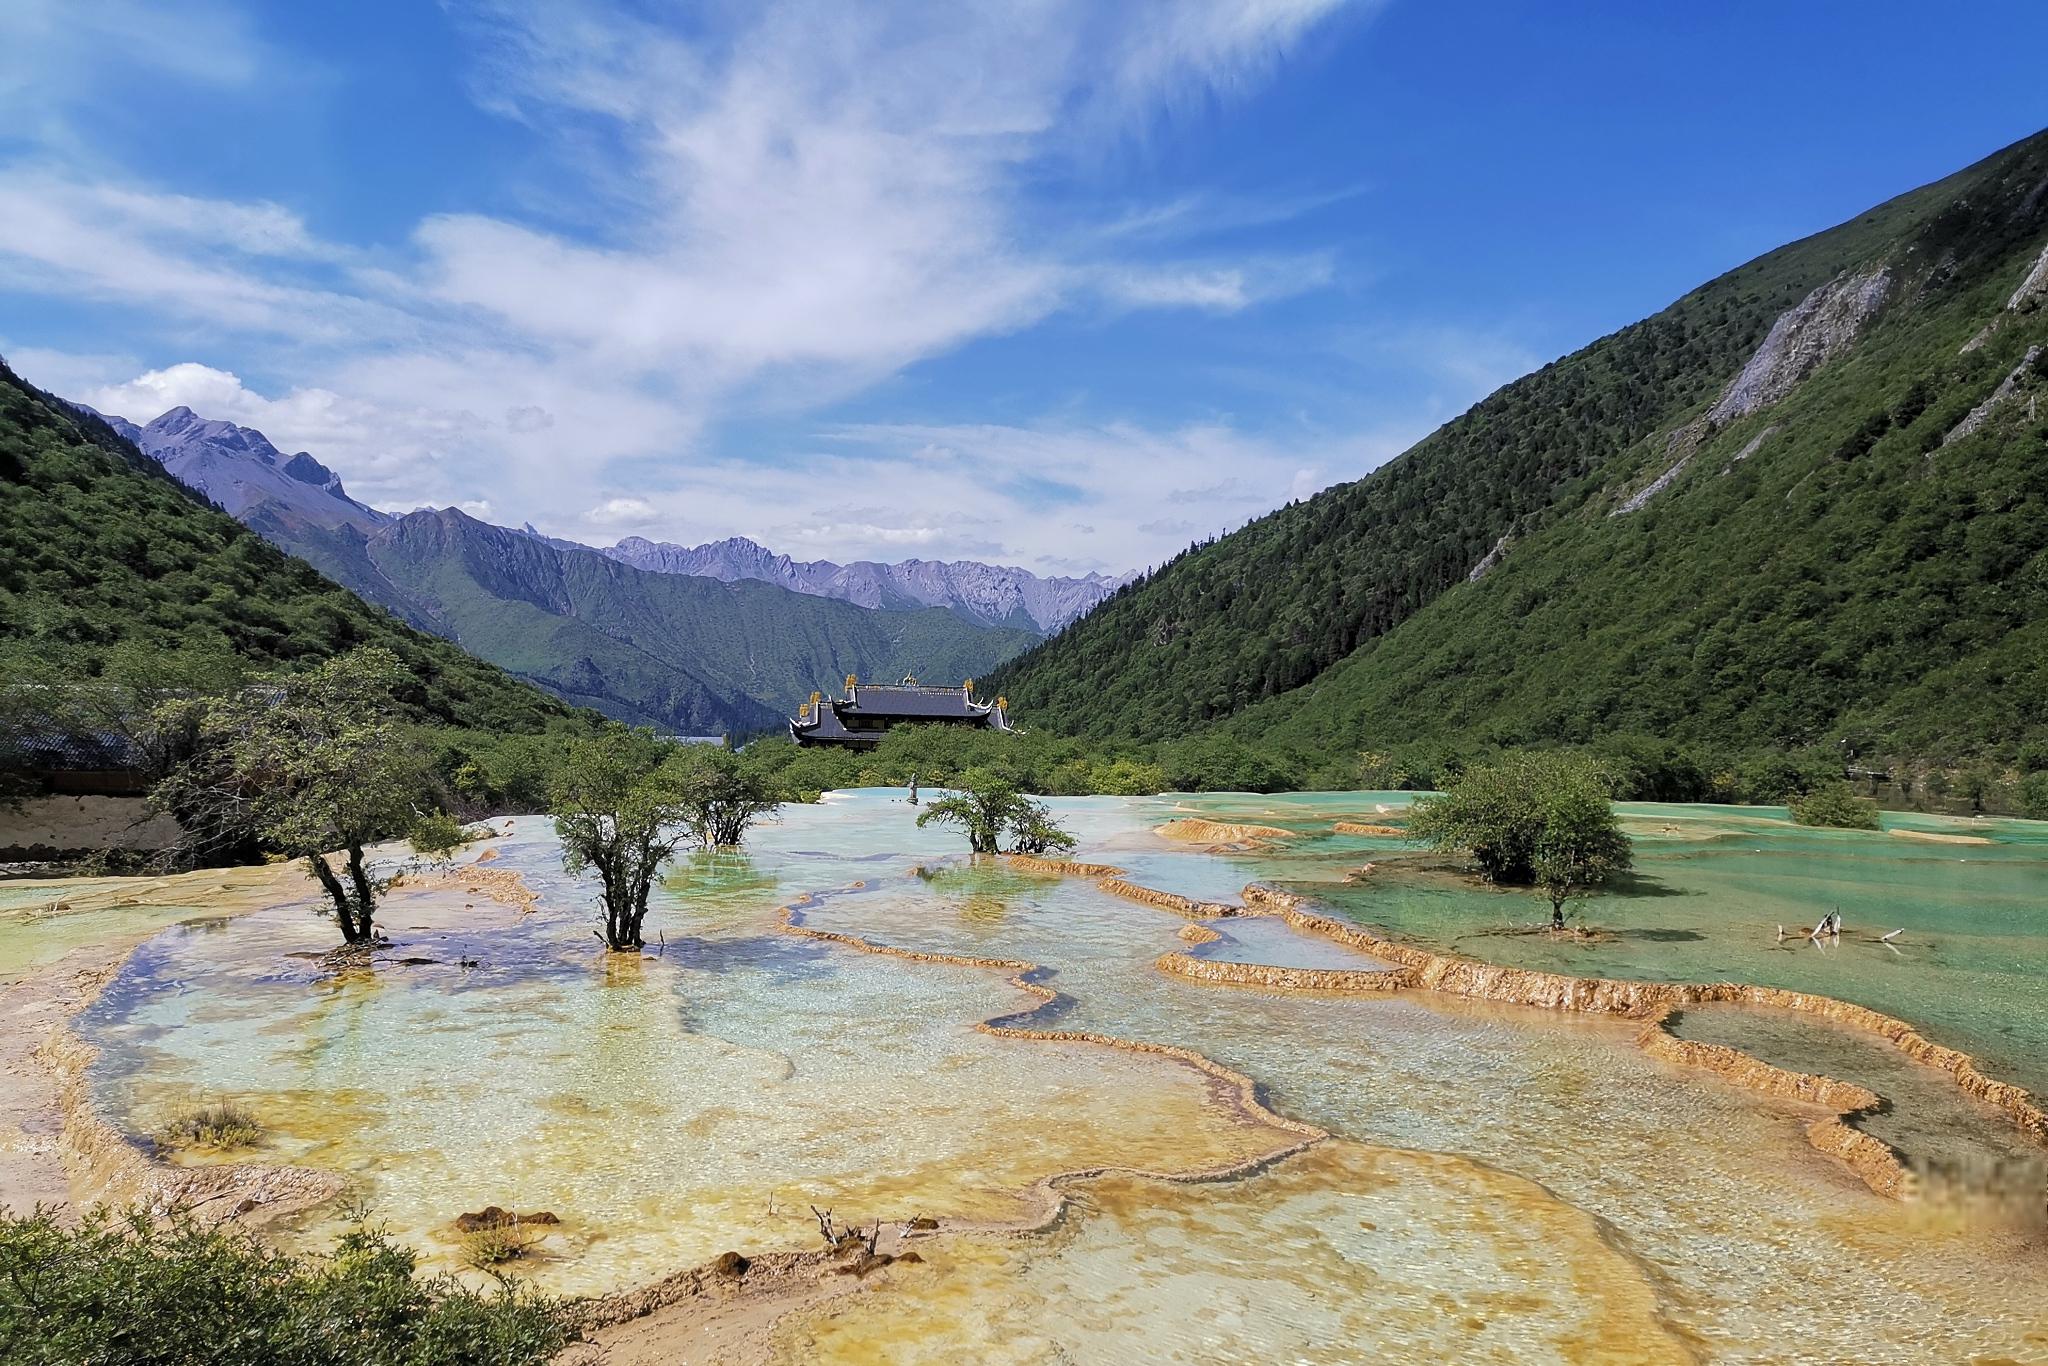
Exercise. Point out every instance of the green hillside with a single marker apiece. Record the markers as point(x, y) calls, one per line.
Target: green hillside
point(681, 652)
point(1846, 578)
point(99, 547)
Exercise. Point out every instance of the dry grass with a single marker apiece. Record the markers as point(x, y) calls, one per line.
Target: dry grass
point(489, 1247)
point(220, 1126)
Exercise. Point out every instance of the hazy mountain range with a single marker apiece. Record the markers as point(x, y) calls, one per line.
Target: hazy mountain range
point(239, 469)
point(995, 595)
point(709, 650)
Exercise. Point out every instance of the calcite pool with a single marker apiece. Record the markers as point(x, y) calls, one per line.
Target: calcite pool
point(1491, 1181)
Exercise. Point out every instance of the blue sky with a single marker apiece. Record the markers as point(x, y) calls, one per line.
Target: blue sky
point(1058, 284)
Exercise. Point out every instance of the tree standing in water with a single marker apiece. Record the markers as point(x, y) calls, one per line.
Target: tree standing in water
point(312, 764)
point(1542, 818)
point(720, 796)
point(621, 811)
point(987, 807)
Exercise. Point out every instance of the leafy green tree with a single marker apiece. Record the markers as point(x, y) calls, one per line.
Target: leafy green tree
point(1036, 832)
point(621, 811)
point(982, 807)
point(989, 807)
point(1835, 805)
point(1126, 778)
point(1542, 817)
point(313, 763)
point(1977, 785)
point(720, 795)
point(1580, 848)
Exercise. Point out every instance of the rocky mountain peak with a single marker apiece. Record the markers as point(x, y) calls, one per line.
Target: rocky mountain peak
point(994, 595)
point(241, 471)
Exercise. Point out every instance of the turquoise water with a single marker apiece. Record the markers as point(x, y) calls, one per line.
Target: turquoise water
point(1712, 885)
point(1518, 1184)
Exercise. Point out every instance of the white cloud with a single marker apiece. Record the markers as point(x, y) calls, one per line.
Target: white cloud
point(799, 199)
point(60, 56)
point(1222, 288)
point(1054, 498)
point(622, 512)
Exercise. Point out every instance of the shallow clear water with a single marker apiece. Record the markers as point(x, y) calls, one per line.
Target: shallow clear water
point(1506, 1184)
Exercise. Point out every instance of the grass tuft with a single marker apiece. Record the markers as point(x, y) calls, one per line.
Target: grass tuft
point(220, 1126)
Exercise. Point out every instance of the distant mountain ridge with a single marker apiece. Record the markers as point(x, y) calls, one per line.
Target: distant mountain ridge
point(100, 548)
point(239, 469)
point(995, 595)
point(681, 652)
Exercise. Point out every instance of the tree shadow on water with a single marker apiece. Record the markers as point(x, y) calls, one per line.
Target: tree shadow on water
point(1658, 936)
point(1642, 887)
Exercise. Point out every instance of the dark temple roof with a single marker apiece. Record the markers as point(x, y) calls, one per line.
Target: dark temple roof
point(869, 709)
point(909, 699)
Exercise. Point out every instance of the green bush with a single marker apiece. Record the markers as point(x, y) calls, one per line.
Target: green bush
point(1835, 806)
point(129, 1289)
point(489, 1247)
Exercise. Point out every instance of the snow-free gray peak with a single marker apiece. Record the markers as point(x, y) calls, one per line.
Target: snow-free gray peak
point(999, 595)
point(238, 468)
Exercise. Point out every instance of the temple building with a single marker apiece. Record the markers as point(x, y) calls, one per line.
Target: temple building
point(864, 715)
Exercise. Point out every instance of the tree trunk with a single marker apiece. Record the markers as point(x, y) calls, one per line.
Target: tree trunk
point(343, 912)
point(365, 895)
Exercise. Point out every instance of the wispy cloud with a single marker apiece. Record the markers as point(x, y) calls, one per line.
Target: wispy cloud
point(801, 198)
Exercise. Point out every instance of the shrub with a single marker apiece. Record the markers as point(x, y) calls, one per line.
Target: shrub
point(129, 1288)
point(220, 1126)
point(494, 1246)
point(1835, 806)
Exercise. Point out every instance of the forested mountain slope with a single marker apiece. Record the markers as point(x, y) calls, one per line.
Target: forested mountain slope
point(99, 547)
point(680, 652)
point(1734, 521)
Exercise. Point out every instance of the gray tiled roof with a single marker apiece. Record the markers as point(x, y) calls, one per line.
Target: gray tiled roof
point(33, 747)
point(899, 699)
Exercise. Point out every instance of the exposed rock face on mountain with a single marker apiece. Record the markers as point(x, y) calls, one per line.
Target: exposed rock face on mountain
point(2035, 286)
point(994, 595)
point(238, 468)
point(1804, 338)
